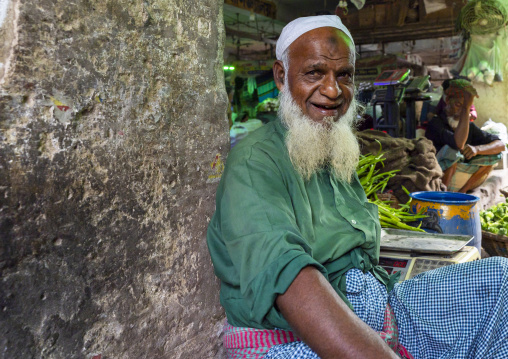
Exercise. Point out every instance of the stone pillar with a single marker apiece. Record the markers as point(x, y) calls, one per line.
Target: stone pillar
point(113, 130)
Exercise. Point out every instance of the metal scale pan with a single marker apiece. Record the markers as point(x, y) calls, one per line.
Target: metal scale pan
point(399, 240)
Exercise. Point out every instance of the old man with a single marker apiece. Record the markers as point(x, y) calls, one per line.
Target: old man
point(295, 243)
point(465, 152)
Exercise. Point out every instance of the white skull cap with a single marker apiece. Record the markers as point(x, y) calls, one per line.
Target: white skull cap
point(300, 26)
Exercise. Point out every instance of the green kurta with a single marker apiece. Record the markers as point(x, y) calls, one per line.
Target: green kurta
point(269, 224)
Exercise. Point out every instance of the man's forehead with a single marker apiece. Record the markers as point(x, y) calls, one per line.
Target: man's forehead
point(455, 98)
point(329, 34)
point(323, 38)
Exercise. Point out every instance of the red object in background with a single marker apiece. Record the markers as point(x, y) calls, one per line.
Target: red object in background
point(390, 262)
point(399, 264)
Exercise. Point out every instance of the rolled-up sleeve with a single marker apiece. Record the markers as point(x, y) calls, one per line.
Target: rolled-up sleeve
point(480, 137)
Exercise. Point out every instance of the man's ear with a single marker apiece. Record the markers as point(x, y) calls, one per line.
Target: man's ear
point(278, 74)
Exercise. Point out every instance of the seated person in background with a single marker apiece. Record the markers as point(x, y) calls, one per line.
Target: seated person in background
point(242, 127)
point(465, 152)
point(295, 242)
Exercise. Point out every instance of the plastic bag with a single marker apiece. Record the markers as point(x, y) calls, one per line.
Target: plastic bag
point(497, 129)
point(483, 60)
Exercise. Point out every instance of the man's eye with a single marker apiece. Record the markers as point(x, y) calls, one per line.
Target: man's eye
point(345, 74)
point(312, 73)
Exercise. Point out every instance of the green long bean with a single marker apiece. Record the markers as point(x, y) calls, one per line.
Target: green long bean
point(373, 182)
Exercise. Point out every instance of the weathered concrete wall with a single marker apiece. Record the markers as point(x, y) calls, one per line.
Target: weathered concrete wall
point(113, 126)
point(493, 100)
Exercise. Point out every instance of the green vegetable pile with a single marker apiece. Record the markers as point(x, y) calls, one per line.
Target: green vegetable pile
point(268, 105)
point(495, 219)
point(374, 182)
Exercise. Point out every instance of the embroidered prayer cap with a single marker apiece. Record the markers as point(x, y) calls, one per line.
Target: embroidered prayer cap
point(300, 26)
point(457, 86)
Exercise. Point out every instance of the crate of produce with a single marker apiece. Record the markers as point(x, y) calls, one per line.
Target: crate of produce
point(494, 223)
point(495, 244)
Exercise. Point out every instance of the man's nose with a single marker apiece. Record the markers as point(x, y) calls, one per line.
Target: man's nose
point(330, 87)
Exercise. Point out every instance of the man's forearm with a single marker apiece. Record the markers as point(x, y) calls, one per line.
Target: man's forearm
point(492, 148)
point(462, 130)
point(324, 322)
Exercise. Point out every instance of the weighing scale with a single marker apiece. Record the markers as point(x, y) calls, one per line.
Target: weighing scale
point(393, 92)
point(392, 77)
point(412, 253)
point(390, 98)
point(413, 94)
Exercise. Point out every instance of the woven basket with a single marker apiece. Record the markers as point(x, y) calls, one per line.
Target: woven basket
point(494, 244)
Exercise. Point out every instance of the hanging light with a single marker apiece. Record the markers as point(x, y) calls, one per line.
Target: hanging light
point(252, 16)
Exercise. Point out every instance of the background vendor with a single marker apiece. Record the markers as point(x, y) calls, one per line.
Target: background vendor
point(465, 152)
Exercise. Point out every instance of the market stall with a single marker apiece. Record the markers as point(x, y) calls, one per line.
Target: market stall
point(399, 108)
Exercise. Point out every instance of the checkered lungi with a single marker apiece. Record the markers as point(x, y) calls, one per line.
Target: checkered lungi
point(458, 311)
point(447, 156)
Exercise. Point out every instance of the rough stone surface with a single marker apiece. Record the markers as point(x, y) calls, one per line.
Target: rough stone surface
point(112, 132)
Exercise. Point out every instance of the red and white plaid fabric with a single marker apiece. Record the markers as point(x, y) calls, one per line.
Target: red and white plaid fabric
point(250, 343)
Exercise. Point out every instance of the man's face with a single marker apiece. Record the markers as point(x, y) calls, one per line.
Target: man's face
point(320, 77)
point(454, 106)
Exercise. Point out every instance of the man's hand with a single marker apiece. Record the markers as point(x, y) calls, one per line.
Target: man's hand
point(492, 148)
point(325, 323)
point(469, 151)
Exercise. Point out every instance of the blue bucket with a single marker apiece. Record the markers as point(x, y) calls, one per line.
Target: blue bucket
point(449, 213)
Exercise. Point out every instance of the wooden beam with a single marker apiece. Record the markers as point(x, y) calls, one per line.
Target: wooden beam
point(249, 35)
point(408, 32)
point(262, 7)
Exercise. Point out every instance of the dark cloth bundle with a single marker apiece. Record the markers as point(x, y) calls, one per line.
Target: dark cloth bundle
point(416, 160)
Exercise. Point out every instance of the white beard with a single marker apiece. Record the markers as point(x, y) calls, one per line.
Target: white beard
point(312, 146)
point(453, 122)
